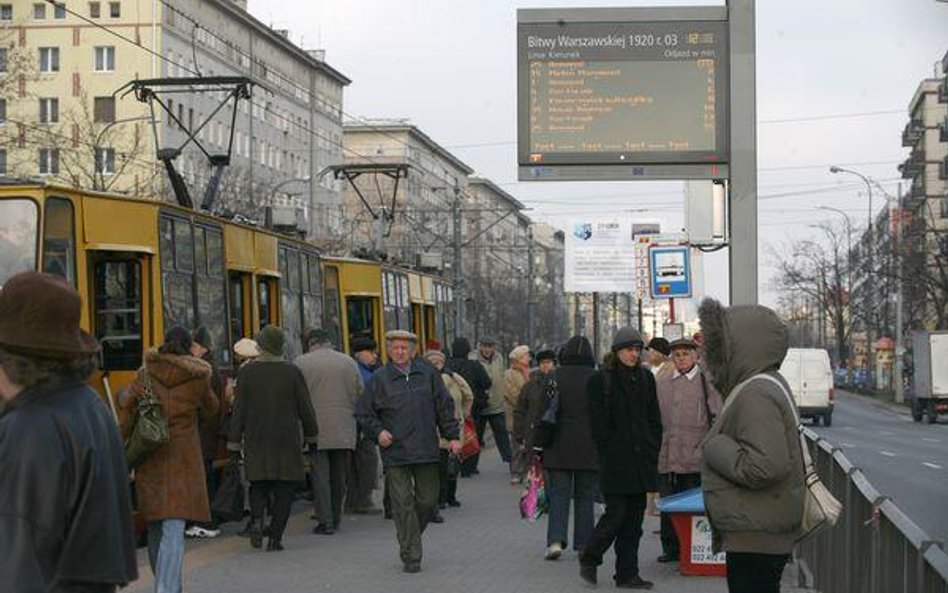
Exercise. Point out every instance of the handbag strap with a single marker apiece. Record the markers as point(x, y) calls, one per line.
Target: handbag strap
point(146, 381)
point(807, 460)
point(704, 388)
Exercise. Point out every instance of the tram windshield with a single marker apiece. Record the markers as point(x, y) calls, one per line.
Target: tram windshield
point(19, 221)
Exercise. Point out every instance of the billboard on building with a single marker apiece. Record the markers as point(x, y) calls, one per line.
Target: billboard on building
point(600, 256)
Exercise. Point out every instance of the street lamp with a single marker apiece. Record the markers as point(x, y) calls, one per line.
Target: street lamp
point(870, 290)
point(98, 174)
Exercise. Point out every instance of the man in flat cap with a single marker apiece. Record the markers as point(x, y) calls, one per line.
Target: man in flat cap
point(689, 403)
point(405, 410)
point(65, 513)
point(334, 387)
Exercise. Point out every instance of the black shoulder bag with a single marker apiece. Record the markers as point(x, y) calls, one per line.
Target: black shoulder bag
point(544, 429)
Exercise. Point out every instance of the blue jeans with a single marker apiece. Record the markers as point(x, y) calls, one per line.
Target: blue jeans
point(561, 487)
point(166, 554)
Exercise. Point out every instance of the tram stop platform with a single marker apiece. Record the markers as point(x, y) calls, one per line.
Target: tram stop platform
point(482, 547)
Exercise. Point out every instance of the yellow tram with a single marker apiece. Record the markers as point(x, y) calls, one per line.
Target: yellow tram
point(143, 266)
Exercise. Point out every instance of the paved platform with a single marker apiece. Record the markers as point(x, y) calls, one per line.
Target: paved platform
point(482, 547)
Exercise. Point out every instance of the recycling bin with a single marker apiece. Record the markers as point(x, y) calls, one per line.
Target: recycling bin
point(695, 556)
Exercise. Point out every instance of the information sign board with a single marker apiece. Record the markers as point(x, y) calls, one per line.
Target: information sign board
point(600, 256)
point(643, 91)
point(671, 271)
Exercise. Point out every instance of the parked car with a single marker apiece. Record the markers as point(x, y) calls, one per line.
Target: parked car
point(841, 377)
point(810, 376)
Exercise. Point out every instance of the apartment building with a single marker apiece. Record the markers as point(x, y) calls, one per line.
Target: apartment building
point(63, 64)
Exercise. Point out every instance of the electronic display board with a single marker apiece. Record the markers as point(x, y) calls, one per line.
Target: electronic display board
point(614, 87)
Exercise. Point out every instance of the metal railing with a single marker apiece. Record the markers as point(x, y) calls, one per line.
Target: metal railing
point(875, 547)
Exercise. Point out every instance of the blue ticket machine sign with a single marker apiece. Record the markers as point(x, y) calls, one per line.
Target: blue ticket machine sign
point(671, 271)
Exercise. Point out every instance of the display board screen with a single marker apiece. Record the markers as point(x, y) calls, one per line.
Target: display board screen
point(634, 92)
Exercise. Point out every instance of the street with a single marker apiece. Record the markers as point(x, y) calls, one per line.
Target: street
point(904, 460)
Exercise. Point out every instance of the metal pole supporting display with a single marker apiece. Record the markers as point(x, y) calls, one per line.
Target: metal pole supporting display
point(743, 165)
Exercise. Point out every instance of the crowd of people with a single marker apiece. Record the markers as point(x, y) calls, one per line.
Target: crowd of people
point(648, 418)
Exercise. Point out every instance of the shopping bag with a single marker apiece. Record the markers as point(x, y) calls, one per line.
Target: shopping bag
point(533, 501)
point(228, 503)
point(150, 429)
point(469, 444)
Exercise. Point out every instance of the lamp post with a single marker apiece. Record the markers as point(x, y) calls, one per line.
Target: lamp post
point(870, 283)
point(98, 174)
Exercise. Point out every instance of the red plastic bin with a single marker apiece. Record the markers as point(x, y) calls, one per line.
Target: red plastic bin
point(695, 557)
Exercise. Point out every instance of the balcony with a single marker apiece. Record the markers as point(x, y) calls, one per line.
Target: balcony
point(913, 132)
point(943, 90)
point(914, 165)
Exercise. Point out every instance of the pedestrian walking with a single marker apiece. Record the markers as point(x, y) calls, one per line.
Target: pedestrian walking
point(533, 401)
point(689, 403)
point(463, 398)
point(493, 413)
point(65, 513)
point(335, 386)
point(752, 471)
point(170, 485)
point(570, 460)
point(514, 379)
point(406, 410)
point(271, 412)
point(480, 383)
point(627, 427)
point(202, 346)
point(363, 473)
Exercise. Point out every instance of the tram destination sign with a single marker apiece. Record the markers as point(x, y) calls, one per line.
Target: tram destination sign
point(620, 93)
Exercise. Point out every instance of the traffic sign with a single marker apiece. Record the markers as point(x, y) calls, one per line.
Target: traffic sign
point(671, 271)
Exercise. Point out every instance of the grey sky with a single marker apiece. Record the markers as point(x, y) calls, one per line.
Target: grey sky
point(449, 66)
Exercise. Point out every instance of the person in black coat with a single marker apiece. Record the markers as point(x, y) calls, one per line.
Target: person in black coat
point(570, 460)
point(65, 511)
point(476, 376)
point(627, 427)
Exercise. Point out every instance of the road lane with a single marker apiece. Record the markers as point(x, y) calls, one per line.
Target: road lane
point(904, 460)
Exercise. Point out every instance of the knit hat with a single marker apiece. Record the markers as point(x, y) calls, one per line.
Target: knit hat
point(577, 351)
point(246, 348)
point(519, 352)
point(660, 345)
point(487, 341)
point(626, 337)
point(271, 340)
point(361, 344)
point(460, 347)
point(433, 355)
point(203, 337)
point(545, 355)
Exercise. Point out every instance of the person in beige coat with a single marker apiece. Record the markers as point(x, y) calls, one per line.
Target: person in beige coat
point(493, 413)
point(514, 379)
point(463, 397)
point(335, 386)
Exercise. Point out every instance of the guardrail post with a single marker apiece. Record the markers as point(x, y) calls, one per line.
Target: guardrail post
point(876, 555)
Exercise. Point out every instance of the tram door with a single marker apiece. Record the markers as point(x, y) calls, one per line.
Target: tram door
point(239, 298)
point(268, 299)
point(121, 307)
point(431, 326)
point(361, 320)
point(418, 325)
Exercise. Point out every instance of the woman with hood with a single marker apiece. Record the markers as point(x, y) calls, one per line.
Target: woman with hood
point(570, 461)
point(752, 468)
point(170, 485)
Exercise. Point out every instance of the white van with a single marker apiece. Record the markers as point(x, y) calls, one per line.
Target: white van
point(810, 376)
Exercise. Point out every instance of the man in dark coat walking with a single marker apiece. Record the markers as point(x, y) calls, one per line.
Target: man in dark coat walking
point(362, 476)
point(627, 427)
point(65, 513)
point(406, 410)
point(476, 376)
point(272, 403)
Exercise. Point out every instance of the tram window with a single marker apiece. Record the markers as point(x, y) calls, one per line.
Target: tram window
point(237, 307)
point(211, 305)
point(312, 299)
point(59, 239)
point(332, 306)
point(183, 246)
point(263, 302)
point(361, 318)
point(118, 313)
point(200, 251)
point(291, 300)
point(19, 223)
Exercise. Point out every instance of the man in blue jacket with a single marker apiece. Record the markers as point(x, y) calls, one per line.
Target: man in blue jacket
point(364, 469)
point(405, 410)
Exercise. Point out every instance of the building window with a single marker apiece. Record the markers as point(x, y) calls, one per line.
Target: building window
point(95, 10)
point(39, 11)
point(3, 60)
point(3, 162)
point(115, 10)
point(49, 161)
point(103, 110)
point(59, 10)
point(49, 59)
point(6, 12)
point(105, 58)
point(49, 111)
point(3, 111)
point(105, 161)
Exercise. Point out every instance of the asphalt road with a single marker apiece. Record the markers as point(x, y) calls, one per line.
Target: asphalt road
point(904, 460)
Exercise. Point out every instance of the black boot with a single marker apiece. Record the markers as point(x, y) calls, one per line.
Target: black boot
point(274, 545)
point(255, 531)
